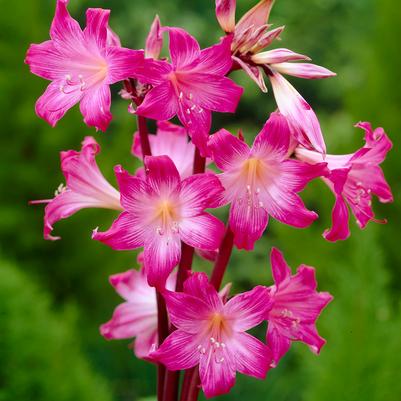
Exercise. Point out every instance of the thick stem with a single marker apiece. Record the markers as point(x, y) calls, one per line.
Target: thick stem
point(162, 332)
point(143, 136)
point(191, 385)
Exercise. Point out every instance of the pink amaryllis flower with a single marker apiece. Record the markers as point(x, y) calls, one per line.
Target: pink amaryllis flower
point(192, 86)
point(81, 65)
point(162, 211)
point(212, 334)
point(251, 35)
point(296, 305)
point(170, 140)
point(354, 178)
point(261, 180)
point(86, 187)
point(137, 316)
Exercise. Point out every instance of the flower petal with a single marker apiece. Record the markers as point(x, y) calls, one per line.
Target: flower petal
point(248, 309)
point(203, 232)
point(178, 351)
point(280, 269)
point(95, 107)
point(154, 40)
point(227, 151)
point(184, 49)
point(276, 56)
point(95, 33)
point(254, 72)
point(123, 63)
point(225, 13)
point(303, 70)
point(278, 343)
point(160, 103)
point(145, 343)
point(255, 17)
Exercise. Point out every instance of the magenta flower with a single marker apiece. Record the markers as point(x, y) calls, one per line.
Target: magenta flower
point(296, 305)
point(86, 187)
point(192, 86)
point(251, 35)
point(170, 140)
point(354, 178)
point(212, 334)
point(81, 66)
point(137, 316)
point(162, 211)
point(262, 180)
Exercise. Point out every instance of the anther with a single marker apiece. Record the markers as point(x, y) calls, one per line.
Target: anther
point(188, 111)
point(159, 230)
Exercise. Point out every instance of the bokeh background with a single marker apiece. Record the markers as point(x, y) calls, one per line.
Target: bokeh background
point(54, 296)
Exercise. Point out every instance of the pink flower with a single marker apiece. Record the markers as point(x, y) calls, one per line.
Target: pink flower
point(251, 35)
point(353, 179)
point(192, 86)
point(81, 66)
point(137, 316)
point(86, 187)
point(154, 41)
point(211, 334)
point(170, 140)
point(161, 212)
point(262, 180)
point(296, 305)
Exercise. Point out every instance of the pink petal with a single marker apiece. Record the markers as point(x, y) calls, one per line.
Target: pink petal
point(199, 192)
point(186, 311)
point(154, 40)
point(267, 39)
point(162, 252)
point(281, 271)
point(154, 72)
point(227, 151)
point(254, 72)
point(255, 17)
point(184, 49)
point(95, 107)
point(248, 309)
point(216, 59)
point(217, 376)
point(145, 343)
point(97, 21)
point(247, 223)
point(277, 56)
point(126, 233)
point(225, 13)
point(161, 174)
point(123, 63)
point(303, 70)
point(252, 357)
point(178, 351)
point(340, 215)
point(278, 343)
point(203, 232)
point(297, 110)
point(64, 29)
point(45, 61)
point(273, 139)
point(198, 285)
point(54, 103)
point(160, 103)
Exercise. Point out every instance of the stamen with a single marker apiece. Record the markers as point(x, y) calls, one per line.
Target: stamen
point(220, 360)
point(188, 111)
point(190, 96)
point(160, 231)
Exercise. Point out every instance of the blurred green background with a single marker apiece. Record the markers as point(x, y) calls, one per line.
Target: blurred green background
point(54, 296)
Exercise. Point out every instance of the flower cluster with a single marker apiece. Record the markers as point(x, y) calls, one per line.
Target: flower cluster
point(181, 320)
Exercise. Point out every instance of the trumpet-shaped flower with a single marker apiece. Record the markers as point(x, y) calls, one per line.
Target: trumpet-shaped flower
point(212, 334)
point(170, 140)
point(86, 187)
point(262, 180)
point(162, 211)
point(251, 35)
point(81, 65)
point(296, 305)
point(354, 178)
point(192, 86)
point(137, 316)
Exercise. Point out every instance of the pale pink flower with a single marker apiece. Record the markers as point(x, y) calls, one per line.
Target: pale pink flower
point(212, 334)
point(354, 178)
point(251, 35)
point(81, 65)
point(162, 211)
point(86, 187)
point(296, 305)
point(192, 86)
point(170, 140)
point(262, 180)
point(137, 316)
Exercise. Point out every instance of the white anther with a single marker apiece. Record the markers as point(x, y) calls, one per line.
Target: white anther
point(212, 340)
point(159, 230)
point(220, 360)
point(200, 110)
point(181, 95)
point(257, 191)
point(261, 204)
point(222, 345)
point(190, 96)
point(193, 107)
point(188, 111)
